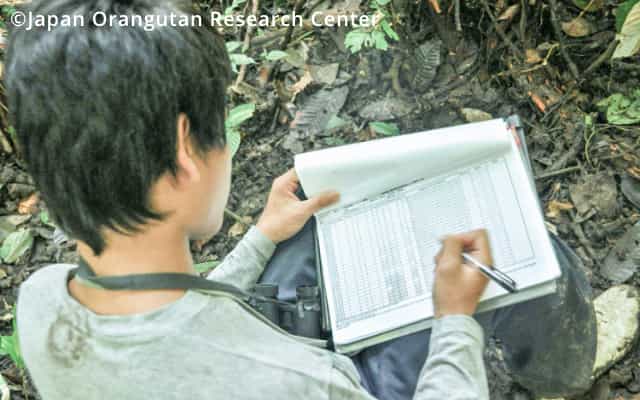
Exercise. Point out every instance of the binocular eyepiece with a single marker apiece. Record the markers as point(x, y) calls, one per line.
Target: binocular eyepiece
point(303, 317)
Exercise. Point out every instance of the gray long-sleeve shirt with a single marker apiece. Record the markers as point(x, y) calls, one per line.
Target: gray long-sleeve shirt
point(208, 347)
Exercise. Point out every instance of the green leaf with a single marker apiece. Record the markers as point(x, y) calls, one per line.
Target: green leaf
point(233, 140)
point(379, 40)
point(239, 114)
point(620, 109)
point(44, 218)
point(386, 27)
point(206, 266)
point(629, 35)
point(233, 6)
point(274, 55)
point(384, 128)
point(233, 45)
point(356, 39)
point(622, 11)
point(12, 134)
point(382, 2)
point(241, 59)
point(15, 245)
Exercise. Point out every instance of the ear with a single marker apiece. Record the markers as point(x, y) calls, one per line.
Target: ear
point(187, 168)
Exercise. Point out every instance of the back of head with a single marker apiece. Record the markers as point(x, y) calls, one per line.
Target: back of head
point(95, 108)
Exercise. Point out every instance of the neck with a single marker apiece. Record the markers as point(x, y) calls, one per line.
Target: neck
point(157, 249)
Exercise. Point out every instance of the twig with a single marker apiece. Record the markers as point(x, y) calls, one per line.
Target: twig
point(247, 43)
point(5, 143)
point(559, 172)
point(558, 32)
point(287, 38)
point(456, 11)
point(523, 22)
point(606, 55)
point(571, 153)
point(577, 230)
point(596, 64)
point(234, 216)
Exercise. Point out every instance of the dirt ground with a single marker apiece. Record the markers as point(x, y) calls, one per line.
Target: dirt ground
point(510, 57)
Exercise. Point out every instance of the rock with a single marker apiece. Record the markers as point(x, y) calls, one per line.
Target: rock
point(597, 191)
point(475, 115)
point(624, 258)
point(617, 312)
point(326, 73)
point(385, 109)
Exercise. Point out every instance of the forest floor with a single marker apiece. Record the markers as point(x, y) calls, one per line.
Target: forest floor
point(549, 62)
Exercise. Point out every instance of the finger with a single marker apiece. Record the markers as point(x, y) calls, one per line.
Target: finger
point(474, 238)
point(477, 243)
point(451, 252)
point(320, 201)
point(287, 179)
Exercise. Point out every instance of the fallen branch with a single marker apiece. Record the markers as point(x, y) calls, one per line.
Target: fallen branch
point(562, 171)
point(558, 32)
point(247, 43)
point(499, 30)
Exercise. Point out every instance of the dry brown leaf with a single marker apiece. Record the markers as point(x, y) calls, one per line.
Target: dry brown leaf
point(538, 101)
point(555, 207)
point(263, 75)
point(577, 27)
point(302, 83)
point(509, 13)
point(532, 56)
point(29, 205)
point(634, 171)
point(239, 227)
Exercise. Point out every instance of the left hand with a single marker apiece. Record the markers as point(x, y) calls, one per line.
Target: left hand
point(285, 214)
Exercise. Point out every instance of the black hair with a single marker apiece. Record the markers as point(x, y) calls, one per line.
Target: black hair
point(95, 109)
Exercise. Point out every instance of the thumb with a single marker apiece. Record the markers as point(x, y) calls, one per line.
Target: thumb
point(321, 200)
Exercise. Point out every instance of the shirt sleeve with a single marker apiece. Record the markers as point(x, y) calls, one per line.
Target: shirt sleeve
point(243, 266)
point(455, 367)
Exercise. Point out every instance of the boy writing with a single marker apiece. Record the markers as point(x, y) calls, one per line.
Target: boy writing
point(123, 132)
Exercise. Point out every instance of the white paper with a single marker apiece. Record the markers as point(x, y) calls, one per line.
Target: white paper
point(363, 170)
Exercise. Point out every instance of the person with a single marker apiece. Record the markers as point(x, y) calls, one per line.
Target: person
point(122, 129)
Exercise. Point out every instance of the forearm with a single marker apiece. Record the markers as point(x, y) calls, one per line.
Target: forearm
point(454, 368)
point(243, 266)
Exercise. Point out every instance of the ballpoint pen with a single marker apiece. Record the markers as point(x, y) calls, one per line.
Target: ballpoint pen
point(497, 276)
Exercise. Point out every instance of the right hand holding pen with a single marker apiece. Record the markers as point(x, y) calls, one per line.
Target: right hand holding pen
point(457, 286)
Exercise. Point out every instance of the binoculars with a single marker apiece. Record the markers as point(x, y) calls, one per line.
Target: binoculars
point(302, 317)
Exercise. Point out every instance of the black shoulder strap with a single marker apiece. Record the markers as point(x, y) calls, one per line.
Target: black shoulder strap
point(157, 281)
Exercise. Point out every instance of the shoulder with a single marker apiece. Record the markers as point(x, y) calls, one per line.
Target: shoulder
point(43, 289)
point(51, 278)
